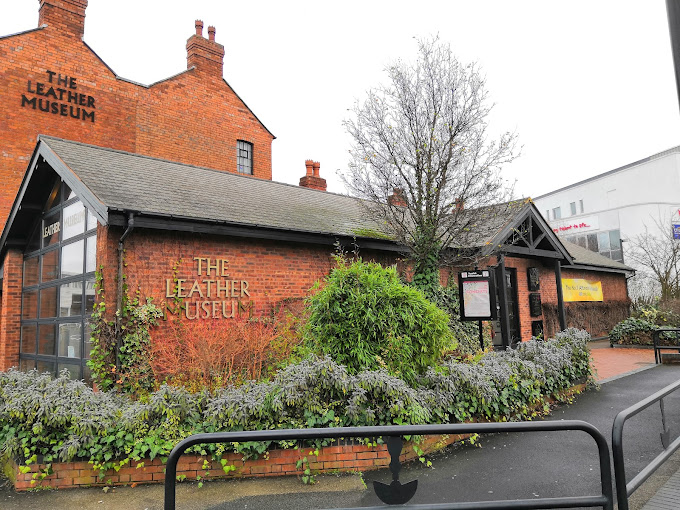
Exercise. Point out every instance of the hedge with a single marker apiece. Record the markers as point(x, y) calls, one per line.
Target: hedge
point(61, 420)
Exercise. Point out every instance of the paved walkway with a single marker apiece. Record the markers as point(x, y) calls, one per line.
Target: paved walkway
point(610, 362)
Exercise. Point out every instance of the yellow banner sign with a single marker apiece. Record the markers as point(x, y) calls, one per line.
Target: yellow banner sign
point(581, 290)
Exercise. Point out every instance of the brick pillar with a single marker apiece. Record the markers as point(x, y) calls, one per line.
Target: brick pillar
point(10, 310)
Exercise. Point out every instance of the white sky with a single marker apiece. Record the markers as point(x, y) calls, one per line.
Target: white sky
point(587, 84)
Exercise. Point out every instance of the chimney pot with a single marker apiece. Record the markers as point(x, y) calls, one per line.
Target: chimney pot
point(199, 27)
point(211, 33)
point(313, 180)
point(397, 198)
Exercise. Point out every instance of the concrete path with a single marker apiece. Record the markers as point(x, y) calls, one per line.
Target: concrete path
point(505, 466)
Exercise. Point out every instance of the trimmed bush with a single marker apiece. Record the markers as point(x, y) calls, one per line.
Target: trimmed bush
point(365, 318)
point(61, 419)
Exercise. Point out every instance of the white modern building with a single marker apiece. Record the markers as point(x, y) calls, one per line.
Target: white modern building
point(600, 212)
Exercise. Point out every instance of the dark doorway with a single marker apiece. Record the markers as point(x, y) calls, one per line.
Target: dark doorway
point(514, 334)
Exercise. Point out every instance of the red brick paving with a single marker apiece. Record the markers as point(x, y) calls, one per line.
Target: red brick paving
point(609, 362)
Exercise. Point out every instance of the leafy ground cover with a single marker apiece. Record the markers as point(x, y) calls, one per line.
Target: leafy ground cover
point(49, 420)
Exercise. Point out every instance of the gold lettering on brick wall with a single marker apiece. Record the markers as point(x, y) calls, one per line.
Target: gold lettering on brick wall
point(58, 95)
point(213, 295)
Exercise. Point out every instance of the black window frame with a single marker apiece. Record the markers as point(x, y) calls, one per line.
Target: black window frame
point(244, 164)
point(29, 360)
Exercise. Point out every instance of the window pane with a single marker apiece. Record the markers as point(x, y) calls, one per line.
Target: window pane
point(46, 339)
point(91, 258)
point(46, 366)
point(50, 230)
point(581, 241)
point(68, 193)
point(617, 255)
point(91, 220)
point(244, 157)
point(580, 205)
point(592, 242)
point(71, 299)
point(572, 206)
point(29, 304)
point(557, 213)
point(69, 340)
point(615, 239)
point(87, 375)
point(72, 259)
point(34, 242)
point(48, 303)
point(603, 241)
point(87, 333)
point(31, 271)
point(73, 370)
point(74, 220)
point(29, 336)
point(55, 197)
point(26, 364)
point(50, 266)
point(89, 297)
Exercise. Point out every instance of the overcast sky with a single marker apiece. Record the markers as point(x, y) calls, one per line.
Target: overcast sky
point(588, 85)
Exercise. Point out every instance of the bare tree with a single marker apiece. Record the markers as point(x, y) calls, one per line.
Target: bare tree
point(421, 156)
point(656, 254)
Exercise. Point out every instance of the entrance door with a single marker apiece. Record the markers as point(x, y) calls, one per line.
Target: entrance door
point(514, 335)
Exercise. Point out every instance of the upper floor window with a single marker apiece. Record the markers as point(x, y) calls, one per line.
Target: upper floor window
point(547, 214)
point(557, 213)
point(572, 206)
point(244, 157)
point(580, 205)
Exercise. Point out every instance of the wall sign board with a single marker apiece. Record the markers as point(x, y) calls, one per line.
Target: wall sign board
point(477, 295)
point(581, 290)
point(676, 230)
point(535, 308)
point(533, 278)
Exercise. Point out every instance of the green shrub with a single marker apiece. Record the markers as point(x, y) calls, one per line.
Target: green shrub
point(60, 419)
point(633, 331)
point(365, 318)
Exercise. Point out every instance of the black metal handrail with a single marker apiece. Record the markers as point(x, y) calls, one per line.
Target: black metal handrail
point(658, 333)
point(605, 499)
point(623, 488)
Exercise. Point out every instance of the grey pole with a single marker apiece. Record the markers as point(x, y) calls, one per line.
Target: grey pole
point(673, 11)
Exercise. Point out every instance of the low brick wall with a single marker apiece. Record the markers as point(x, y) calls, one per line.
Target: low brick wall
point(341, 456)
point(334, 458)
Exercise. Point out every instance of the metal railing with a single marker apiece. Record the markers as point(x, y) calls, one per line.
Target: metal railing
point(658, 336)
point(605, 499)
point(623, 488)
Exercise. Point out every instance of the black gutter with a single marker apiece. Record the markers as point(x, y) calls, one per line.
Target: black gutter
point(119, 292)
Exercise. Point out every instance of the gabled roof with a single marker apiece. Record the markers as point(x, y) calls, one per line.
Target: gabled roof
point(583, 257)
point(167, 195)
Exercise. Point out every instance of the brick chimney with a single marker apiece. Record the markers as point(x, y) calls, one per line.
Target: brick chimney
point(397, 198)
point(65, 15)
point(313, 179)
point(205, 54)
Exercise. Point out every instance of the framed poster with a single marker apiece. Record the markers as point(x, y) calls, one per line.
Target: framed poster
point(477, 295)
point(533, 278)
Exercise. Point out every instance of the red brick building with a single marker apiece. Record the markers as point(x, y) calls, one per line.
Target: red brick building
point(53, 83)
point(120, 179)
